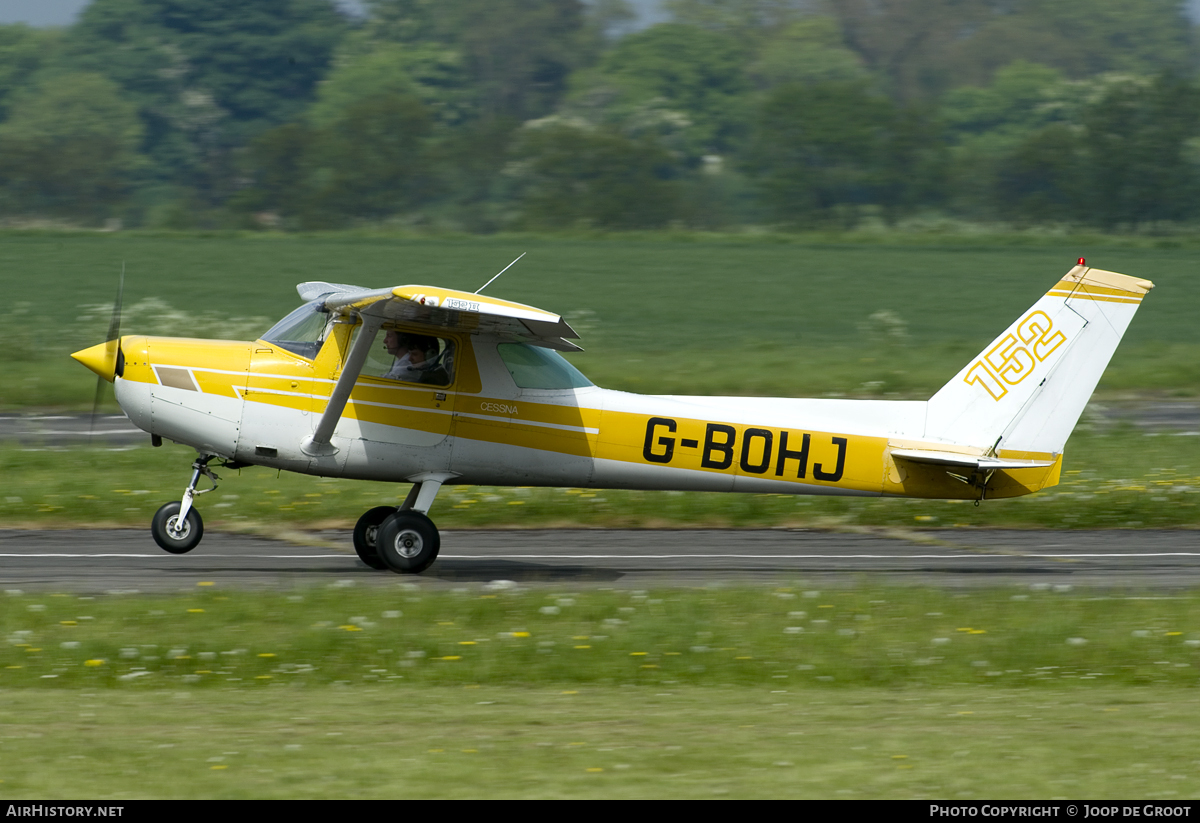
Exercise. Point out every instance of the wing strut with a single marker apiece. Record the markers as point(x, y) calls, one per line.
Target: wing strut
point(318, 445)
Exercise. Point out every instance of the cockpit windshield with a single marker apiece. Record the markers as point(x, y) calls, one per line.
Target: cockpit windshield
point(303, 331)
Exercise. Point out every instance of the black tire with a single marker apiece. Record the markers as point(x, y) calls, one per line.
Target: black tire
point(408, 542)
point(193, 529)
point(366, 531)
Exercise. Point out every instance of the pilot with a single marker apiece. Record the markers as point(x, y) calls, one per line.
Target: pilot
point(417, 359)
point(400, 346)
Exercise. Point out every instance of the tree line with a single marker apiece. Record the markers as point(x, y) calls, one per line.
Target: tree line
point(482, 115)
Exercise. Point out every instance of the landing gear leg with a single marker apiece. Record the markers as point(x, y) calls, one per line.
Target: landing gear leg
point(177, 527)
point(408, 542)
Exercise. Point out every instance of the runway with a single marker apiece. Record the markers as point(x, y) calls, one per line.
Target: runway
point(110, 561)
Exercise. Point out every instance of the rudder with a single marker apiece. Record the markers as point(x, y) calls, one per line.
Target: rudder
point(1027, 389)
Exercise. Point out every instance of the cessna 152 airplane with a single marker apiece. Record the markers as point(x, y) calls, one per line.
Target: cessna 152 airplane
point(472, 391)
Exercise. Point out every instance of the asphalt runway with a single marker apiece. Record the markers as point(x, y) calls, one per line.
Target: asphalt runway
point(100, 561)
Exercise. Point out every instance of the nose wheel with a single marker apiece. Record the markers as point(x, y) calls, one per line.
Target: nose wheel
point(177, 527)
point(175, 534)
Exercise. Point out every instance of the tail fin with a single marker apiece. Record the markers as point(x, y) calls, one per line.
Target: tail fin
point(1027, 389)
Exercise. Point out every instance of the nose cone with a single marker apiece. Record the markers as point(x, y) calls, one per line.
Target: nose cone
point(101, 358)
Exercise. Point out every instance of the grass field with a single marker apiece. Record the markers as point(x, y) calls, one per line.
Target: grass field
point(605, 743)
point(791, 316)
point(498, 692)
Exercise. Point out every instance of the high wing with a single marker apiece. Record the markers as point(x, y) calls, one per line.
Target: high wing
point(421, 306)
point(447, 309)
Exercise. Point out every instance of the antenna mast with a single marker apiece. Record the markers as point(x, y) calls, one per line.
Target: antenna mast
point(502, 271)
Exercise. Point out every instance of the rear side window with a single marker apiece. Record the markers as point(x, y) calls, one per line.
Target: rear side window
point(533, 367)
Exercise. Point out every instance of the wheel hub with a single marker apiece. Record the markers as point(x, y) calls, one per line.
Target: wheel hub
point(178, 530)
point(409, 544)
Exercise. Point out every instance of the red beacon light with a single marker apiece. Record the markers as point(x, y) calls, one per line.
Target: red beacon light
point(1082, 262)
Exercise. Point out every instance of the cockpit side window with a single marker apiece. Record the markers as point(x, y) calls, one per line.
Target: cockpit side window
point(411, 357)
point(303, 331)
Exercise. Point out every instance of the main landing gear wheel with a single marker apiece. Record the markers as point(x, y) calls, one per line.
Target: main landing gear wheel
point(408, 542)
point(366, 532)
point(175, 536)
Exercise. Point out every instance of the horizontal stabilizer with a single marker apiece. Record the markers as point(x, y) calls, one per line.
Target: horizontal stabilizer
point(968, 461)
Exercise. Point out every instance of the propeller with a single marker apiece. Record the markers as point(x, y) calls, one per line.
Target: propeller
point(112, 348)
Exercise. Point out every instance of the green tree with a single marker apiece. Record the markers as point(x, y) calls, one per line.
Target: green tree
point(69, 148)
point(368, 161)
point(810, 50)
point(1136, 148)
point(820, 147)
point(579, 176)
point(513, 55)
point(906, 42)
point(998, 139)
point(23, 52)
point(1082, 38)
point(670, 79)
point(745, 20)
point(207, 75)
point(1042, 179)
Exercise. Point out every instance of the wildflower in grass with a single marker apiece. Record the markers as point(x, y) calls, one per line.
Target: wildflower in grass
point(94, 662)
point(1076, 641)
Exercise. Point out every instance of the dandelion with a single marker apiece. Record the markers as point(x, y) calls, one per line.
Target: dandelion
point(93, 662)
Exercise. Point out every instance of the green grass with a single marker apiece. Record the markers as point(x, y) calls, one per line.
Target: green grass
point(502, 692)
point(658, 313)
point(787, 637)
point(637, 742)
point(1119, 479)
